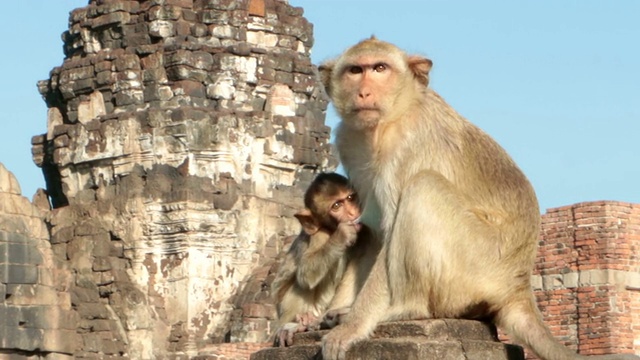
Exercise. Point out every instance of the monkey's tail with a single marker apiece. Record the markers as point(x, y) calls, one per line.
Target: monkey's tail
point(522, 320)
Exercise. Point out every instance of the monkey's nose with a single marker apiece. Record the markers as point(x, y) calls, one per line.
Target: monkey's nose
point(364, 93)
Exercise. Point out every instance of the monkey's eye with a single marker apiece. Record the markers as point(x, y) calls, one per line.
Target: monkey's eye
point(336, 206)
point(353, 197)
point(355, 69)
point(380, 67)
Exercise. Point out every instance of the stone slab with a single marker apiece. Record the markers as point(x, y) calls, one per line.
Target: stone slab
point(443, 339)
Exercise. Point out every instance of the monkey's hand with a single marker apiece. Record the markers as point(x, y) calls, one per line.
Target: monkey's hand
point(308, 320)
point(348, 233)
point(334, 317)
point(284, 337)
point(336, 343)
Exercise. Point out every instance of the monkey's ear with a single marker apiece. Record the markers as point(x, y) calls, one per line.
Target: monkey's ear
point(326, 70)
point(308, 221)
point(420, 67)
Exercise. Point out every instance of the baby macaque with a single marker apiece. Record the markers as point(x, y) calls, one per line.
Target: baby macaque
point(327, 263)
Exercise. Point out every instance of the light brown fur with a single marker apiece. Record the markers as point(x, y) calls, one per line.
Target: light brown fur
point(458, 219)
point(327, 263)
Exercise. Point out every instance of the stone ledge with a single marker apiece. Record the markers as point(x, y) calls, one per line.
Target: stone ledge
point(421, 339)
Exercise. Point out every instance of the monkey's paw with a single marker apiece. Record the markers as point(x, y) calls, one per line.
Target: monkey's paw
point(284, 336)
point(334, 317)
point(307, 319)
point(348, 233)
point(336, 343)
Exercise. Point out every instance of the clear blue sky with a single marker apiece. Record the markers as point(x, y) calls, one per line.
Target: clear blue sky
point(557, 83)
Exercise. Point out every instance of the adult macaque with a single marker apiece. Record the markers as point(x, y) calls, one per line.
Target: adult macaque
point(327, 263)
point(458, 218)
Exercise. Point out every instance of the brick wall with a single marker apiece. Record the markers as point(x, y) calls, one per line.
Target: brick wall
point(587, 279)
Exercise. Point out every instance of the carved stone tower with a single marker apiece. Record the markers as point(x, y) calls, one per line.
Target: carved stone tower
point(181, 134)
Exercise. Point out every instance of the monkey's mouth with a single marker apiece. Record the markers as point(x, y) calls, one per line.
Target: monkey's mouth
point(356, 108)
point(365, 108)
point(356, 223)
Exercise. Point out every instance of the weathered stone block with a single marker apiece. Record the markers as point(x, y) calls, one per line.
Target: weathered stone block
point(101, 264)
point(213, 17)
point(93, 311)
point(284, 77)
point(112, 18)
point(10, 315)
point(166, 12)
point(19, 338)
point(158, 75)
point(219, 4)
point(61, 341)
point(47, 317)
point(127, 62)
point(190, 88)
point(224, 31)
point(18, 274)
point(94, 325)
point(129, 97)
point(183, 28)
point(162, 28)
point(242, 49)
point(221, 89)
point(83, 86)
point(190, 114)
point(92, 342)
point(183, 72)
point(199, 30)
point(113, 347)
point(103, 279)
point(4, 253)
point(101, 245)
point(152, 61)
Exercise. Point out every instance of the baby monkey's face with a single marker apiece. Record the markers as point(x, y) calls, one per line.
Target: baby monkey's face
point(345, 207)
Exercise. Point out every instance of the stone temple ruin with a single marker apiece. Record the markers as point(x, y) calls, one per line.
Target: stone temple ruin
point(180, 137)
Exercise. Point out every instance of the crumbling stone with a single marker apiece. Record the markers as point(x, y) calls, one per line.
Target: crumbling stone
point(35, 309)
point(169, 178)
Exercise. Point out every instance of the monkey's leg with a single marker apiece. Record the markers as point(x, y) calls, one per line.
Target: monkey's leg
point(369, 308)
point(347, 287)
point(441, 254)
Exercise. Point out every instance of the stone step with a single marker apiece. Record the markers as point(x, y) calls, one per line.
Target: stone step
point(442, 339)
point(436, 329)
point(420, 349)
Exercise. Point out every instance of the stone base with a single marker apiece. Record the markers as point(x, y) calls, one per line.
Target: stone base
point(441, 339)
